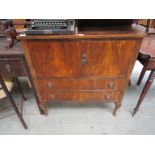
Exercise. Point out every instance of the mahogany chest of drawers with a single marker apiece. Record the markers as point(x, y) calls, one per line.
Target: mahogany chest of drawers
point(90, 66)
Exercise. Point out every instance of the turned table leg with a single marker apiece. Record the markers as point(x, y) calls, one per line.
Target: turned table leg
point(141, 75)
point(145, 90)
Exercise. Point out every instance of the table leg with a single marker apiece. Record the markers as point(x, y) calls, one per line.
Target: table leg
point(20, 88)
point(145, 90)
point(12, 102)
point(141, 75)
point(148, 24)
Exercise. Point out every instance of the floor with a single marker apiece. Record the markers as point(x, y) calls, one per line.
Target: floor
point(84, 118)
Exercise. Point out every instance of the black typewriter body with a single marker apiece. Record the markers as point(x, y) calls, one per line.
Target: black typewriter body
point(51, 26)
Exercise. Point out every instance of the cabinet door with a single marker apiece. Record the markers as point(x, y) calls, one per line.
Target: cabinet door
point(55, 58)
point(106, 58)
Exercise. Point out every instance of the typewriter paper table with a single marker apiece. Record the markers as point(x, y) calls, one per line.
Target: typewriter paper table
point(90, 66)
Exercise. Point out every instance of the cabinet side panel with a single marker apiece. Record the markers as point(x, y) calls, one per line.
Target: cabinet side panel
point(132, 63)
point(32, 70)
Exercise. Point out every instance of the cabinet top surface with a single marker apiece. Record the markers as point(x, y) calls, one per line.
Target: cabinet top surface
point(133, 31)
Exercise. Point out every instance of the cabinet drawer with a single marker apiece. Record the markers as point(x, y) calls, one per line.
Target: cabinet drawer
point(17, 67)
point(80, 95)
point(12, 67)
point(4, 68)
point(81, 84)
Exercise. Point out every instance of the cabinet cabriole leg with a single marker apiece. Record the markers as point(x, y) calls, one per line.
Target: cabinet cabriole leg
point(44, 108)
point(117, 106)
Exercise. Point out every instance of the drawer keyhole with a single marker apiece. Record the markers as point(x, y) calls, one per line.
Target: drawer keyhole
point(49, 84)
point(83, 59)
point(53, 96)
point(109, 96)
point(111, 85)
point(8, 67)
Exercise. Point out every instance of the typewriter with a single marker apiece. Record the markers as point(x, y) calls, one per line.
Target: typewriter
point(51, 26)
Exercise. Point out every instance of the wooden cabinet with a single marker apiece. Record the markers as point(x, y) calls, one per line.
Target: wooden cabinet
point(91, 67)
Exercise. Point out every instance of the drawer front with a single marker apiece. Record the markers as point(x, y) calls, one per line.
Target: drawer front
point(4, 68)
point(151, 64)
point(81, 84)
point(80, 96)
point(17, 67)
point(12, 67)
